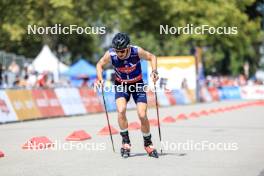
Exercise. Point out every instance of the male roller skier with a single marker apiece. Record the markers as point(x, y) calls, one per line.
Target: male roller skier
point(125, 59)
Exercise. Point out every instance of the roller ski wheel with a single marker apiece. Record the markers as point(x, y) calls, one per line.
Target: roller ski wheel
point(152, 152)
point(125, 150)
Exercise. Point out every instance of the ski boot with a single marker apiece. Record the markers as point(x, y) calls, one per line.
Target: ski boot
point(125, 150)
point(152, 152)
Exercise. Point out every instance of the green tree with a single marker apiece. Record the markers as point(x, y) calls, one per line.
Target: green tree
point(15, 16)
point(225, 53)
point(142, 20)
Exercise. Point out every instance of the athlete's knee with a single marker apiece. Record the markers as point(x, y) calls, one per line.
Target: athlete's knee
point(142, 115)
point(121, 110)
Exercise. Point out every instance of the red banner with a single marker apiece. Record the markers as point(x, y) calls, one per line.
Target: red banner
point(170, 97)
point(214, 93)
point(91, 100)
point(47, 103)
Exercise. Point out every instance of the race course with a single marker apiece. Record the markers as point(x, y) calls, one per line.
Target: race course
point(243, 126)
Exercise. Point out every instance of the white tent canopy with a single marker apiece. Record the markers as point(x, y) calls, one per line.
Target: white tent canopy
point(46, 61)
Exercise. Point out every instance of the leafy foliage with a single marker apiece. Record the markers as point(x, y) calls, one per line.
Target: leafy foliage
point(142, 20)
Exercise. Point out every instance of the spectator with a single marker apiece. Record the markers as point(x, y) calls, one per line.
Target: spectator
point(242, 80)
point(43, 80)
point(16, 82)
point(23, 82)
point(184, 84)
point(14, 68)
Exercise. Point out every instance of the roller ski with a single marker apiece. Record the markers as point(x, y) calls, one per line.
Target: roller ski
point(125, 150)
point(126, 146)
point(151, 151)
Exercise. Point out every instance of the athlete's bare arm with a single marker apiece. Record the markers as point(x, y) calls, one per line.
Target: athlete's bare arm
point(153, 59)
point(100, 65)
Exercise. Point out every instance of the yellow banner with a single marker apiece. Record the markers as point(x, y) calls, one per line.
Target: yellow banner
point(176, 72)
point(23, 104)
point(170, 62)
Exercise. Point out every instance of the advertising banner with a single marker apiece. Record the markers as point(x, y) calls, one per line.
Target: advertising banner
point(23, 104)
point(175, 72)
point(7, 113)
point(179, 96)
point(162, 99)
point(253, 92)
point(91, 100)
point(109, 100)
point(229, 93)
point(170, 97)
point(47, 102)
point(70, 101)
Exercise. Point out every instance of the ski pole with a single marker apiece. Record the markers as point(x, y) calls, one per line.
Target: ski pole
point(157, 108)
point(108, 123)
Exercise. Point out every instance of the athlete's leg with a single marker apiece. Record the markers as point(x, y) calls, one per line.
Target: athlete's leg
point(121, 104)
point(140, 99)
point(122, 96)
point(142, 114)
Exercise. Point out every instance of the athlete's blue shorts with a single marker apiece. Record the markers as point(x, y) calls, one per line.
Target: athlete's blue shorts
point(127, 89)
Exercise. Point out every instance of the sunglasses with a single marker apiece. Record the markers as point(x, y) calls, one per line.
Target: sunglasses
point(120, 51)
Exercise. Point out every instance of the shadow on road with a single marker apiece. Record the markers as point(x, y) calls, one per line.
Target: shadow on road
point(160, 155)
